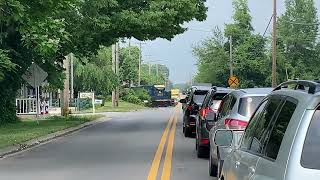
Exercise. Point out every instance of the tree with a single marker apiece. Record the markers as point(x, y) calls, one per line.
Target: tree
point(212, 60)
point(45, 31)
point(249, 49)
point(249, 58)
point(298, 29)
point(95, 73)
point(129, 65)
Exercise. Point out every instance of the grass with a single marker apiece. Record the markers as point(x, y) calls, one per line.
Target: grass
point(25, 130)
point(123, 107)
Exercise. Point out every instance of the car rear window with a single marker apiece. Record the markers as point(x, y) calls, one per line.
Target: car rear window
point(199, 96)
point(311, 147)
point(216, 101)
point(248, 105)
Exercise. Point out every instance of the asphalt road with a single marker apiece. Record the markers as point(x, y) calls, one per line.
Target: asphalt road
point(143, 145)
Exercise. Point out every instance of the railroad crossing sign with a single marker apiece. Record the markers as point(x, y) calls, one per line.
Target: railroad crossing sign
point(233, 82)
point(35, 75)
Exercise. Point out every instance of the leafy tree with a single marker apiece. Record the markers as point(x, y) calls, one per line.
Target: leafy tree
point(95, 74)
point(129, 65)
point(45, 31)
point(213, 60)
point(250, 60)
point(298, 29)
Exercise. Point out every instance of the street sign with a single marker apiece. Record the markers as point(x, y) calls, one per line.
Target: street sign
point(233, 82)
point(35, 75)
point(86, 95)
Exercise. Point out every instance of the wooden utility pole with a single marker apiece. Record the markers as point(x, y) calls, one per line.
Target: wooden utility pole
point(231, 58)
point(117, 72)
point(157, 71)
point(65, 93)
point(140, 57)
point(71, 78)
point(274, 45)
point(114, 71)
point(149, 69)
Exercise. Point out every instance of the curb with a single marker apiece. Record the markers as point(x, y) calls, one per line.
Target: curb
point(11, 150)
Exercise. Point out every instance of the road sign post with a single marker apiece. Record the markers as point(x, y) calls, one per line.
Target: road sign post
point(35, 76)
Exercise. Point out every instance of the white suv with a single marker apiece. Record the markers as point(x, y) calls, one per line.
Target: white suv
point(282, 139)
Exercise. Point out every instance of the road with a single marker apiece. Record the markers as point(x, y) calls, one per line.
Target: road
point(143, 145)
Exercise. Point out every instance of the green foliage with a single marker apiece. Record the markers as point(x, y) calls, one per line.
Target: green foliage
point(95, 73)
point(298, 29)
point(249, 59)
point(129, 64)
point(45, 31)
point(135, 96)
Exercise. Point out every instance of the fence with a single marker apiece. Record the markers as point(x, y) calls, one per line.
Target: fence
point(26, 106)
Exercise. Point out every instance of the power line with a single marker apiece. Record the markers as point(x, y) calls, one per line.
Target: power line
point(201, 30)
point(301, 23)
point(267, 26)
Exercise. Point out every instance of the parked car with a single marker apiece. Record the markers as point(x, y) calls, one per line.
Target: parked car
point(281, 141)
point(234, 113)
point(211, 103)
point(227, 141)
point(196, 98)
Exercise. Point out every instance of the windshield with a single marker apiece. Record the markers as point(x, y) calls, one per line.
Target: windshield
point(198, 97)
point(215, 105)
point(248, 105)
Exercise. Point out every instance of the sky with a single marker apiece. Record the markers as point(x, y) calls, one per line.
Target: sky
point(177, 53)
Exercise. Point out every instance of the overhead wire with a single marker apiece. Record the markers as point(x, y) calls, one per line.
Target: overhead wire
point(268, 26)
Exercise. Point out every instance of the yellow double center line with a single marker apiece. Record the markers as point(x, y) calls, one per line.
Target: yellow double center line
point(166, 171)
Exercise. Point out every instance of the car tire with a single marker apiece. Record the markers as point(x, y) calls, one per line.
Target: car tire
point(187, 132)
point(201, 151)
point(212, 168)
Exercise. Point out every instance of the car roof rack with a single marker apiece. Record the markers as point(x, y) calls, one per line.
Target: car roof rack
point(310, 87)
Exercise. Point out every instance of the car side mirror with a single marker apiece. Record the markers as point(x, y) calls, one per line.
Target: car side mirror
point(183, 101)
point(211, 116)
point(223, 138)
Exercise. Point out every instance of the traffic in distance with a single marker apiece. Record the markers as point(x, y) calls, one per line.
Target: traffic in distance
point(256, 133)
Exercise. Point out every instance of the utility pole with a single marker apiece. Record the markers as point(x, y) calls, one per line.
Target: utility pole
point(114, 71)
point(157, 71)
point(149, 69)
point(274, 45)
point(140, 57)
point(117, 72)
point(231, 58)
point(71, 78)
point(65, 93)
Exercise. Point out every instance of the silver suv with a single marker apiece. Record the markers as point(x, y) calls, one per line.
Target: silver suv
point(234, 113)
point(282, 140)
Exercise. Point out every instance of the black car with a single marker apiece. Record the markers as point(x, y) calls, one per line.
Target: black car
point(192, 106)
point(204, 122)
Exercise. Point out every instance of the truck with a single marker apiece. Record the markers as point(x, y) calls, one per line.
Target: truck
point(160, 97)
point(175, 94)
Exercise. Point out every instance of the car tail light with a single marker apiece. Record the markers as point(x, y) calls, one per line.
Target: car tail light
point(235, 124)
point(189, 108)
point(205, 141)
point(204, 112)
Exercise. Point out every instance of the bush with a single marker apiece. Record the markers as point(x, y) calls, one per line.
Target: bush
point(135, 96)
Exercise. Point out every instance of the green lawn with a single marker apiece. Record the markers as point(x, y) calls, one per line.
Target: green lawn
point(123, 107)
point(22, 131)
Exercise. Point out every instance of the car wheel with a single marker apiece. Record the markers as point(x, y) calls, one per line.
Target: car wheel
point(212, 168)
point(201, 152)
point(187, 132)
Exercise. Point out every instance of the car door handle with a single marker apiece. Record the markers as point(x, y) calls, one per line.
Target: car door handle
point(252, 170)
point(237, 164)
